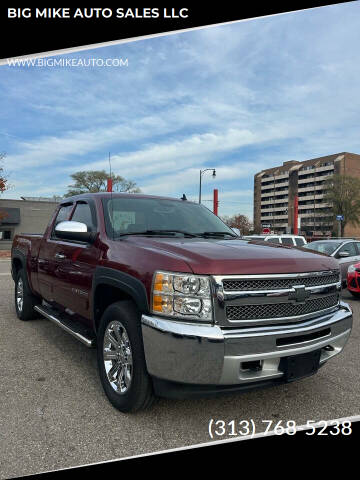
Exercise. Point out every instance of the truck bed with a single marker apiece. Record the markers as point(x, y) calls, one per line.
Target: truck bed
point(27, 245)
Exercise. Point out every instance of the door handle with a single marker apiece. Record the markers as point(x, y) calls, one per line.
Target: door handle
point(60, 256)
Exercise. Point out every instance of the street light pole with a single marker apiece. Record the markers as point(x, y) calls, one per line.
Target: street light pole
point(201, 174)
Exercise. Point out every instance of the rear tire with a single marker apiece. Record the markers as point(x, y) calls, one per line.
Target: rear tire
point(25, 300)
point(121, 359)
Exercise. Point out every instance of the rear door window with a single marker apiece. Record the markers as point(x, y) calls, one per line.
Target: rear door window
point(287, 241)
point(299, 242)
point(273, 240)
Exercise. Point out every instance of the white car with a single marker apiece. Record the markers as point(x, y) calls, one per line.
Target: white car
point(286, 239)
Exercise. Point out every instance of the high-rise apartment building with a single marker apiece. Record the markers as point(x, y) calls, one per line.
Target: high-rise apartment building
point(275, 190)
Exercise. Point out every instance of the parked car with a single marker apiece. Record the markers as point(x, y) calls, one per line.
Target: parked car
point(286, 239)
point(175, 302)
point(346, 252)
point(353, 280)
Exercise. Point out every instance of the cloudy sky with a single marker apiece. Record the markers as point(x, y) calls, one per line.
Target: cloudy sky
point(240, 98)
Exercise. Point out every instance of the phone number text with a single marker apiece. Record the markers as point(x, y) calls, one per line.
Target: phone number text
point(248, 428)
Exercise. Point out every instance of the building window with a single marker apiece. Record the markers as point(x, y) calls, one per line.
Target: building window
point(5, 235)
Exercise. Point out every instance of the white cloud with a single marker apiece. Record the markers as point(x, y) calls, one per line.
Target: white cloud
point(238, 98)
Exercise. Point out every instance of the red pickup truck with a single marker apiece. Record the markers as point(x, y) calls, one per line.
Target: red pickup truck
point(176, 303)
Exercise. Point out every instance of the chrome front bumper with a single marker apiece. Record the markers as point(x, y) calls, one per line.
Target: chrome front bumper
point(203, 354)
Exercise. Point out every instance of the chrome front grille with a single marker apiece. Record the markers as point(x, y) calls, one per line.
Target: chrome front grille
point(280, 310)
point(279, 283)
point(252, 300)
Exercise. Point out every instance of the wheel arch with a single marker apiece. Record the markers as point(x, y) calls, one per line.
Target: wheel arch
point(18, 262)
point(110, 286)
point(16, 265)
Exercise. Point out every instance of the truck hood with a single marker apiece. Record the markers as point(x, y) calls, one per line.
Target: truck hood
point(228, 257)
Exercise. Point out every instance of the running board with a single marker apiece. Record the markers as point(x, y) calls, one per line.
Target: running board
point(75, 329)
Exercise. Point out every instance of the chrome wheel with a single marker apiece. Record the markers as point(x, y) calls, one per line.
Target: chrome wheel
point(117, 357)
point(20, 294)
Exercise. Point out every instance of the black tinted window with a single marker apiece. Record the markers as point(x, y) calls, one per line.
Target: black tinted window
point(287, 241)
point(273, 240)
point(83, 214)
point(299, 242)
point(5, 234)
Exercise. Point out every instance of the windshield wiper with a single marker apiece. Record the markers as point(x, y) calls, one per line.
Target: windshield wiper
point(216, 234)
point(174, 232)
point(159, 232)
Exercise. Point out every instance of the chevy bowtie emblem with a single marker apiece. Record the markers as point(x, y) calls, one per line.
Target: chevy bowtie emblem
point(300, 294)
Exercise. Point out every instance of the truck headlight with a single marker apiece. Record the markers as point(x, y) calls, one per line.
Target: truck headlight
point(182, 296)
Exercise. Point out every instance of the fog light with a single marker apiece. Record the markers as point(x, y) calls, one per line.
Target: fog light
point(254, 366)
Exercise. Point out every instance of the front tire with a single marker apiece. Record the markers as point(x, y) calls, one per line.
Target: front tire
point(25, 300)
point(121, 359)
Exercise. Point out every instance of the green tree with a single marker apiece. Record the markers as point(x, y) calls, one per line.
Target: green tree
point(239, 221)
point(96, 181)
point(343, 195)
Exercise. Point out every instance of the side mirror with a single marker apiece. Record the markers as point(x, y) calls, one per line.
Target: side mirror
point(237, 231)
point(77, 231)
point(343, 254)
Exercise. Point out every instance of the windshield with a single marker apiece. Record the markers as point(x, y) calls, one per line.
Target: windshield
point(136, 215)
point(323, 247)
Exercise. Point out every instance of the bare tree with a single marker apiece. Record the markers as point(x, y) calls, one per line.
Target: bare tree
point(239, 221)
point(3, 179)
point(3, 185)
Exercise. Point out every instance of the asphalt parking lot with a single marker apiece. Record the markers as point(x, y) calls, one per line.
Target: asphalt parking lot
point(53, 413)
